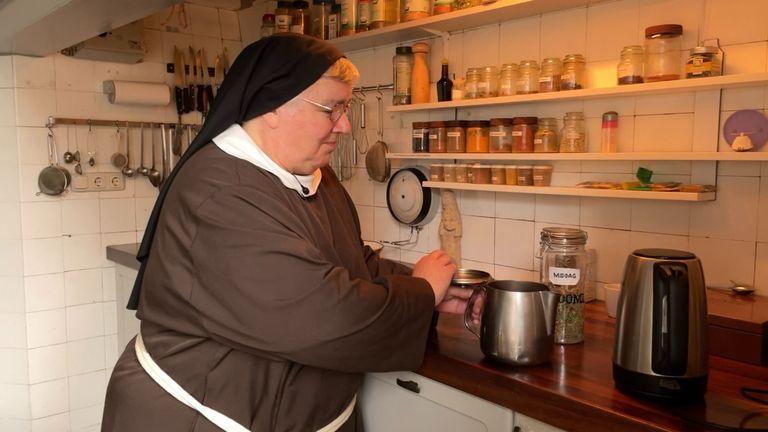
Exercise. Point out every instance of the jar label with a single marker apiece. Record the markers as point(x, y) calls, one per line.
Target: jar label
point(545, 79)
point(538, 140)
point(564, 276)
point(517, 133)
point(433, 137)
point(418, 6)
point(498, 134)
point(418, 134)
point(454, 134)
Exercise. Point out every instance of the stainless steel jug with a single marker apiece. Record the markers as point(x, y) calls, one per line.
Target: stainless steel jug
point(517, 321)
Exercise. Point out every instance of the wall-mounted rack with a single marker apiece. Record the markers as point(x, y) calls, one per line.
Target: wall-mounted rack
point(55, 121)
point(376, 87)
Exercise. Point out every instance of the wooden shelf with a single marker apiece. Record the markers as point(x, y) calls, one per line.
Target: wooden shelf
point(574, 191)
point(478, 16)
point(625, 156)
point(663, 87)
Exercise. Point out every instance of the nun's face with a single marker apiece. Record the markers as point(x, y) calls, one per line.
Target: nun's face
point(310, 125)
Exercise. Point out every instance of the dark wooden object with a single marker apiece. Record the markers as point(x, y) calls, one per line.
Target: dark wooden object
point(738, 326)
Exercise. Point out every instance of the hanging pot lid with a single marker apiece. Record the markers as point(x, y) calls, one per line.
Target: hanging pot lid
point(407, 200)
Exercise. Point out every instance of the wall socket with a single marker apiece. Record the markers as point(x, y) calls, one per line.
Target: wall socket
point(98, 182)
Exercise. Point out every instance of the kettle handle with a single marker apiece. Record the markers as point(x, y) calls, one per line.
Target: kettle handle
point(471, 324)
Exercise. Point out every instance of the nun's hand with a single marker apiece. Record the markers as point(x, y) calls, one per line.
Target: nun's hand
point(438, 269)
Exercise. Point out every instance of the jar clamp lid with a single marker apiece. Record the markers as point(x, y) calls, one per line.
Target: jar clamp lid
point(563, 236)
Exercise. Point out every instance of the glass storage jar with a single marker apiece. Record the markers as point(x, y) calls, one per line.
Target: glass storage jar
point(300, 21)
point(630, 67)
point(415, 9)
point(500, 134)
point(471, 82)
point(283, 17)
point(497, 175)
point(460, 174)
point(402, 67)
point(267, 25)
point(488, 82)
point(436, 172)
point(528, 77)
point(573, 76)
point(573, 137)
point(545, 140)
point(481, 174)
point(456, 135)
point(563, 268)
point(525, 175)
point(523, 130)
point(549, 76)
point(438, 138)
point(510, 174)
point(449, 173)
point(662, 52)
point(507, 79)
point(478, 136)
point(420, 137)
point(704, 61)
point(542, 175)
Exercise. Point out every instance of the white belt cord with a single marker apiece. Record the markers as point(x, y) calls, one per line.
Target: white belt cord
point(222, 421)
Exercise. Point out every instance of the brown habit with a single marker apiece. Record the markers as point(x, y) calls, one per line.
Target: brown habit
point(263, 305)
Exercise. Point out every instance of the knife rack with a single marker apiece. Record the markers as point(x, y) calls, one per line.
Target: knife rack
point(56, 121)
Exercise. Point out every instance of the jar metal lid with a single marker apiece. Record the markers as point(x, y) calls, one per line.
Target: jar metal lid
point(501, 121)
point(478, 123)
point(563, 236)
point(525, 120)
point(573, 58)
point(704, 50)
point(663, 30)
point(456, 123)
point(403, 50)
point(420, 125)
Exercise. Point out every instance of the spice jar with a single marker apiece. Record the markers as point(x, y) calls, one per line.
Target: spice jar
point(525, 175)
point(300, 22)
point(420, 137)
point(510, 174)
point(523, 130)
point(347, 17)
point(662, 52)
point(507, 79)
point(528, 77)
point(363, 16)
point(436, 172)
point(456, 136)
point(545, 140)
point(542, 175)
point(549, 77)
point(471, 82)
point(449, 173)
point(573, 76)
point(267, 25)
point(283, 17)
point(478, 136)
point(573, 137)
point(402, 66)
point(438, 138)
point(460, 174)
point(416, 9)
point(442, 6)
point(488, 82)
point(704, 61)
point(609, 133)
point(630, 67)
point(563, 269)
point(500, 134)
point(481, 174)
point(498, 177)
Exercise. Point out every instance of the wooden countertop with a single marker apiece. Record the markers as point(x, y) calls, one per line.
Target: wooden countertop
point(576, 392)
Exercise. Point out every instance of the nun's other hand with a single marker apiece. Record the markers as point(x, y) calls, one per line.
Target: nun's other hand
point(455, 300)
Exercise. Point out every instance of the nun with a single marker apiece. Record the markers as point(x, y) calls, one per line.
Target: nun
point(261, 309)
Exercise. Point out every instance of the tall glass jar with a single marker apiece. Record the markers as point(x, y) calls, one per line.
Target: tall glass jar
point(573, 76)
point(456, 135)
point(347, 17)
point(300, 20)
point(662, 52)
point(321, 10)
point(267, 25)
point(563, 268)
point(478, 136)
point(488, 82)
point(630, 67)
point(438, 137)
point(508, 79)
point(500, 134)
point(283, 17)
point(523, 131)
point(573, 137)
point(334, 21)
point(402, 66)
point(471, 82)
point(528, 77)
point(549, 77)
point(545, 140)
point(420, 137)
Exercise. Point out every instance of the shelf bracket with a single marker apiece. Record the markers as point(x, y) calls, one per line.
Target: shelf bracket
point(446, 36)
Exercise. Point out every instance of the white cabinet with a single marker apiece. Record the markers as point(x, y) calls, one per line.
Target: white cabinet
point(524, 423)
point(389, 406)
point(127, 323)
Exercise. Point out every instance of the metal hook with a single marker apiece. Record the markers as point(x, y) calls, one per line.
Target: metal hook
point(117, 125)
point(89, 126)
point(378, 89)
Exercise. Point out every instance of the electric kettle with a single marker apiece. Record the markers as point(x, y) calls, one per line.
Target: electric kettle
point(661, 326)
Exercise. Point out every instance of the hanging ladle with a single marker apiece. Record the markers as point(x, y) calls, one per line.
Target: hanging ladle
point(142, 169)
point(154, 175)
point(69, 157)
point(127, 170)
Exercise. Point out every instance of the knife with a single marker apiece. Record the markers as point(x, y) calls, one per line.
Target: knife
point(193, 80)
point(208, 89)
point(225, 62)
point(200, 90)
point(218, 74)
point(184, 89)
point(178, 81)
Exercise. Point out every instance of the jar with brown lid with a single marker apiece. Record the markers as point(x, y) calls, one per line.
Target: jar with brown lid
point(573, 76)
point(420, 137)
point(500, 134)
point(456, 135)
point(478, 136)
point(438, 138)
point(523, 130)
point(549, 77)
point(662, 52)
point(546, 140)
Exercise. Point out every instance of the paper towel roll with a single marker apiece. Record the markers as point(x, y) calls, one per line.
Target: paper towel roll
point(137, 93)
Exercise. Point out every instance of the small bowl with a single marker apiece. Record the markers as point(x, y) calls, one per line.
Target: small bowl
point(468, 278)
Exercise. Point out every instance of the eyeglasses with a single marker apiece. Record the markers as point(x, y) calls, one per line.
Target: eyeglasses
point(335, 112)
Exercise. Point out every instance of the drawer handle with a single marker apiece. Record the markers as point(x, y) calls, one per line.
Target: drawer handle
point(409, 385)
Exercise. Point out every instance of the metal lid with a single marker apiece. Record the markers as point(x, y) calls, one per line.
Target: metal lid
point(403, 50)
point(667, 254)
point(573, 58)
point(563, 236)
point(465, 277)
point(524, 120)
point(500, 121)
point(704, 50)
point(610, 116)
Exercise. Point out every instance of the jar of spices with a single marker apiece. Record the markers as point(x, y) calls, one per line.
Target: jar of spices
point(300, 22)
point(573, 76)
point(470, 167)
point(662, 52)
point(488, 82)
point(500, 134)
point(449, 173)
point(498, 177)
point(402, 66)
point(415, 9)
point(283, 17)
point(528, 77)
point(456, 135)
point(545, 140)
point(436, 172)
point(334, 21)
point(384, 13)
point(438, 138)
point(549, 77)
point(363, 15)
point(704, 61)
point(442, 6)
point(563, 268)
point(507, 79)
point(510, 174)
point(542, 175)
point(347, 17)
point(460, 174)
point(420, 137)
point(523, 130)
point(573, 137)
point(478, 137)
point(525, 175)
point(481, 174)
point(267, 25)
point(630, 67)
point(471, 82)
point(321, 10)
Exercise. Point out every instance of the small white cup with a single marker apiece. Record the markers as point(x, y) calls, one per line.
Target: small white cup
point(612, 291)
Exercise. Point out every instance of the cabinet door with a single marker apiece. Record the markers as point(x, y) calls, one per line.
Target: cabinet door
point(389, 407)
point(526, 424)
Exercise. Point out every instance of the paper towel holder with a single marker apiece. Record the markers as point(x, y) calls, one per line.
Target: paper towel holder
point(109, 87)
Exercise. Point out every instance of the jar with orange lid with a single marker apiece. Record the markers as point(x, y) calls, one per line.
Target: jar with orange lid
point(478, 138)
point(438, 139)
point(456, 135)
point(523, 130)
point(500, 134)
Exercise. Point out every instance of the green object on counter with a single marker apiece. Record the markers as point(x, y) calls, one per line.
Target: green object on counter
point(644, 175)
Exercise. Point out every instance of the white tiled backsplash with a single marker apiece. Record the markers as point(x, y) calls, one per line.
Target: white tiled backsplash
point(59, 343)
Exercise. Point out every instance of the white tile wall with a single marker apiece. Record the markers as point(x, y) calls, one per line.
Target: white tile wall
point(44, 292)
point(14, 401)
point(83, 286)
point(85, 321)
point(46, 328)
point(54, 423)
point(12, 292)
point(13, 366)
point(48, 398)
point(47, 363)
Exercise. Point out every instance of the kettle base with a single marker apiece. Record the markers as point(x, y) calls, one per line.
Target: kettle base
point(659, 387)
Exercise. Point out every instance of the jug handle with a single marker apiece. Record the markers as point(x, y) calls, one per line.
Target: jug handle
point(469, 323)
